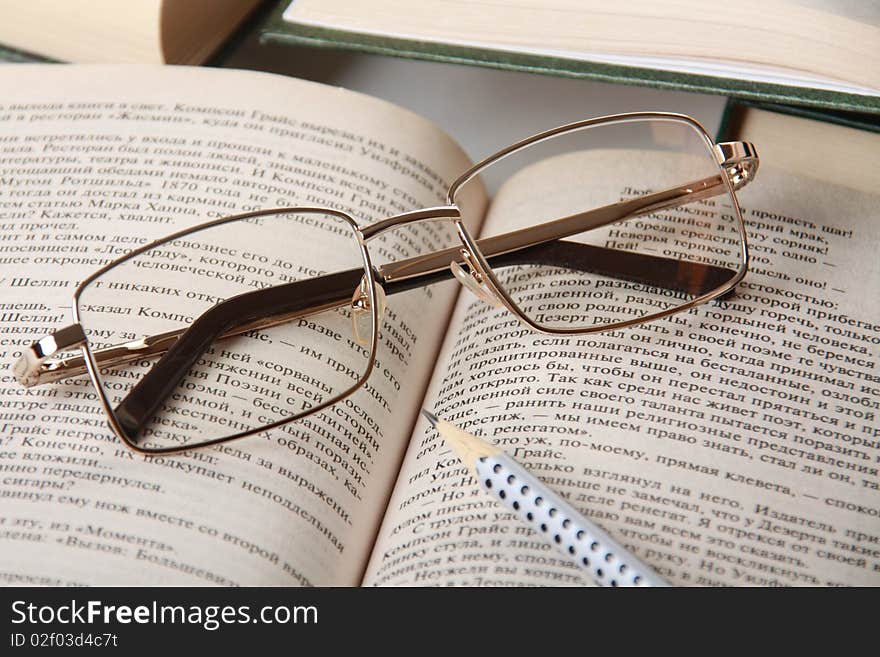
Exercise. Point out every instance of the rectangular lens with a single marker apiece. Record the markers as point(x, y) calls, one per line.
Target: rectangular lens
point(254, 317)
point(620, 221)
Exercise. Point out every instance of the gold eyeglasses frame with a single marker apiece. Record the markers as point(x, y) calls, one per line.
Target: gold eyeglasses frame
point(737, 163)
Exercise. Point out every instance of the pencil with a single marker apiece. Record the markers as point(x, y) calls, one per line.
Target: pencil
point(577, 537)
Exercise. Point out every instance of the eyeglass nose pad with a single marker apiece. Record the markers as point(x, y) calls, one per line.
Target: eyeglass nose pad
point(473, 281)
point(362, 312)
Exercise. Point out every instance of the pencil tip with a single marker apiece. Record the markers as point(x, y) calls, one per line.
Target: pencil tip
point(433, 419)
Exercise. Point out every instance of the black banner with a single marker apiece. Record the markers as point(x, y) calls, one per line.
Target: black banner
point(415, 620)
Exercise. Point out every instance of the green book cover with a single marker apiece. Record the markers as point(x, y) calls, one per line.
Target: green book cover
point(13, 56)
point(277, 30)
point(734, 110)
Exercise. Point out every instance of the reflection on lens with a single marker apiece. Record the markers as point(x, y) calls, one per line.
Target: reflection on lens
point(254, 317)
point(626, 220)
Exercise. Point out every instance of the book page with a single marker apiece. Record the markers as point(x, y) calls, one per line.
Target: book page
point(735, 444)
point(95, 161)
point(836, 154)
point(776, 40)
point(137, 31)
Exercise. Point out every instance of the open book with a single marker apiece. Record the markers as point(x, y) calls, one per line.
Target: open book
point(741, 447)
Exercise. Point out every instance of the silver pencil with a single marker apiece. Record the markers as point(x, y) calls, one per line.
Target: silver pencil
point(581, 540)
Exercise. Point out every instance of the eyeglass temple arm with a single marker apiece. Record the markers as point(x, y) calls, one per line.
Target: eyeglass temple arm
point(299, 299)
point(44, 362)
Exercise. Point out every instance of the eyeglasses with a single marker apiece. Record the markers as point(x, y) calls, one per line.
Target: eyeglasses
point(250, 322)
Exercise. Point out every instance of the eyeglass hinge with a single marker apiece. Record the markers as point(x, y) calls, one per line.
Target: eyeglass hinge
point(28, 366)
point(739, 159)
